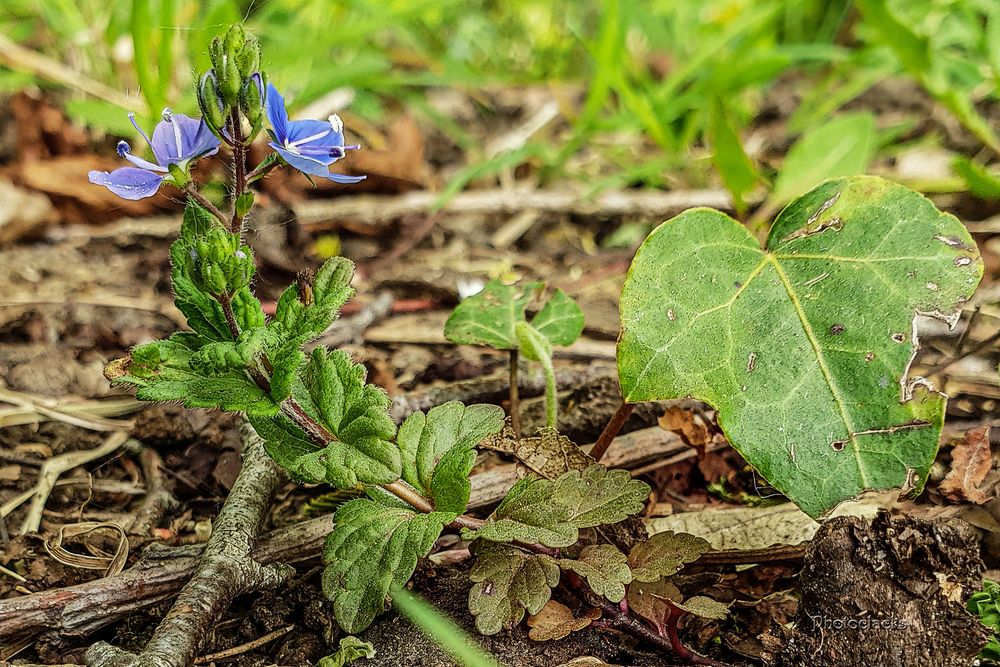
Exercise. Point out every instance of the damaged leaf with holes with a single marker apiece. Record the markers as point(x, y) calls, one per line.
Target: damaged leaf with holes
point(811, 337)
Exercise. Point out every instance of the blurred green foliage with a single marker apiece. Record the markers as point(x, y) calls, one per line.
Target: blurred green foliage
point(683, 76)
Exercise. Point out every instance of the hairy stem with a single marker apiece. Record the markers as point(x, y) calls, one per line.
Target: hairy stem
point(551, 398)
point(192, 191)
point(612, 430)
point(239, 169)
point(515, 405)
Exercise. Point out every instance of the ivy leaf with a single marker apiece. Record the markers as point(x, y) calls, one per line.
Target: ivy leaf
point(664, 554)
point(373, 548)
point(167, 370)
point(556, 620)
point(308, 307)
point(560, 319)
point(506, 583)
point(605, 569)
point(438, 450)
point(333, 392)
point(812, 336)
point(489, 317)
point(552, 512)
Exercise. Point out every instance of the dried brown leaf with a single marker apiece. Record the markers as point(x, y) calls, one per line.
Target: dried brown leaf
point(549, 454)
point(556, 620)
point(971, 461)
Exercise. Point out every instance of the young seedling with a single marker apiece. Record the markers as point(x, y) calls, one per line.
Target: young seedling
point(322, 422)
point(496, 317)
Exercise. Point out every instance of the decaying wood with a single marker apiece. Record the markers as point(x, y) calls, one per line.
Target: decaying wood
point(225, 569)
point(80, 610)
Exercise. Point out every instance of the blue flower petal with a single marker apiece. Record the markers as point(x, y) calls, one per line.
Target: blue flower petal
point(276, 113)
point(128, 182)
point(182, 138)
point(303, 129)
point(313, 167)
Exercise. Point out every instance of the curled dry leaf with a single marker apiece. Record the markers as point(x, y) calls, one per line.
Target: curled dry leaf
point(971, 461)
point(686, 424)
point(556, 620)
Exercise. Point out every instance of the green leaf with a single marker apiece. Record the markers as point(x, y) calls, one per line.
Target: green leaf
point(803, 347)
point(664, 554)
point(204, 314)
point(728, 156)
point(605, 569)
point(560, 319)
point(981, 182)
point(985, 604)
point(506, 583)
point(842, 147)
point(552, 512)
point(350, 649)
point(438, 450)
point(291, 448)
point(166, 370)
point(492, 316)
point(705, 607)
point(372, 549)
point(489, 317)
point(308, 307)
point(333, 392)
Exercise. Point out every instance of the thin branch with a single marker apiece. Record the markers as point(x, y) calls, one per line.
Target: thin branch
point(226, 569)
point(192, 191)
point(515, 404)
point(239, 169)
point(612, 430)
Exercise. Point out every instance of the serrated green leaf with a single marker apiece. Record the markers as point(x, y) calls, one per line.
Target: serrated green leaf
point(489, 317)
point(705, 607)
point(333, 391)
point(247, 310)
point(842, 147)
point(438, 450)
point(302, 321)
point(664, 554)
point(163, 371)
point(605, 569)
point(803, 347)
point(291, 448)
point(508, 582)
point(196, 222)
point(552, 512)
point(372, 549)
point(560, 319)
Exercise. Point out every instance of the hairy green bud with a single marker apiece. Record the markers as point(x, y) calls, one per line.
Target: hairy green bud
point(219, 264)
point(248, 58)
point(213, 110)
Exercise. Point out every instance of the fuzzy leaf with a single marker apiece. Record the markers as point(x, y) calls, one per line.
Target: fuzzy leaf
point(333, 392)
point(165, 370)
point(648, 599)
point(291, 448)
point(705, 607)
point(560, 319)
point(438, 450)
point(350, 649)
point(556, 620)
point(204, 314)
point(804, 346)
point(506, 583)
point(664, 554)
point(605, 569)
point(552, 512)
point(302, 320)
point(373, 548)
point(489, 317)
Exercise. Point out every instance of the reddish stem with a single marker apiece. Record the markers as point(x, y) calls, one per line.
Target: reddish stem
point(611, 430)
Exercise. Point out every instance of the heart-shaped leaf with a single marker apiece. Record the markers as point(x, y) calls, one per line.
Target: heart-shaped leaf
point(803, 346)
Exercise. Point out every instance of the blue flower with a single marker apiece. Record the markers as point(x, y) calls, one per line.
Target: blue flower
point(177, 140)
point(310, 146)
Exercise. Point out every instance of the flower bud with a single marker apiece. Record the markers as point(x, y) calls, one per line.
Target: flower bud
point(212, 109)
point(248, 58)
point(229, 82)
point(235, 41)
point(217, 53)
point(252, 100)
